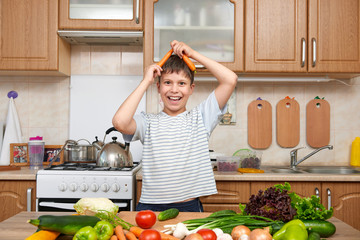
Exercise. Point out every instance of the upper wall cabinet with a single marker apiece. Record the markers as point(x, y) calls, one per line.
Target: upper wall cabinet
point(29, 40)
point(101, 14)
point(318, 36)
point(214, 28)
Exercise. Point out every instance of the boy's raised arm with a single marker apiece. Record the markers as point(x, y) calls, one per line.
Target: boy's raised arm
point(123, 119)
point(227, 79)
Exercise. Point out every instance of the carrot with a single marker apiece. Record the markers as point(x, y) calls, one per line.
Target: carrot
point(119, 232)
point(188, 62)
point(136, 230)
point(114, 237)
point(165, 236)
point(165, 58)
point(130, 236)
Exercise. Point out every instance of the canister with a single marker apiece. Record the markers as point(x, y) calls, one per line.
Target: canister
point(355, 153)
point(36, 152)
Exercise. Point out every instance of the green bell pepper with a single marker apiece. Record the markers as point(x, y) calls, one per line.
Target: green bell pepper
point(104, 230)
point(86, 233)
point(295, 232)
point(296, 222)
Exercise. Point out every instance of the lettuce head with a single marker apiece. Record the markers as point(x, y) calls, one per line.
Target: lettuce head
point(91, 206)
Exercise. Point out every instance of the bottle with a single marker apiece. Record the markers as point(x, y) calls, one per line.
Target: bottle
point(355, 153)
point(36, 152)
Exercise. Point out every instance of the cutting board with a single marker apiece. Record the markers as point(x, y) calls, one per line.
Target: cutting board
point(259, 124)
point(288, 123)
point(318, 123)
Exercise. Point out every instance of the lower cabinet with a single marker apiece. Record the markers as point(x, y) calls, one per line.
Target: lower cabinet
point(344, 197)
point(14, 196)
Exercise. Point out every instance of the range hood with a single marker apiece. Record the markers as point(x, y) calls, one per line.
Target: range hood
point(132, 38)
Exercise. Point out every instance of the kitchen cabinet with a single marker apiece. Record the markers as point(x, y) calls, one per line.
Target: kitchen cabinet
point(301, 36)
point(15, 196)
point(213, 28)
point(29, 41)
point(101, 15)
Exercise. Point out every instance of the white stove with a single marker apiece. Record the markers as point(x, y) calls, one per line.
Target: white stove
point(59, 187)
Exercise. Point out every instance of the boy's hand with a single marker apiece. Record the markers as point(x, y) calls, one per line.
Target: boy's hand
point(181, 48)
point(151, 72)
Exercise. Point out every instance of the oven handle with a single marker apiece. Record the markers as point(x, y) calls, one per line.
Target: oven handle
point(69, 206)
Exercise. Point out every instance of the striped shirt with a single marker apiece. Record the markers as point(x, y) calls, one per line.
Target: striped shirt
point(175, 162)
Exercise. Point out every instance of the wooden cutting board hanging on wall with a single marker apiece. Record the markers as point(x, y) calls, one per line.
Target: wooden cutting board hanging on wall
point(318, 123)
point(288, 123)
point(259, 124)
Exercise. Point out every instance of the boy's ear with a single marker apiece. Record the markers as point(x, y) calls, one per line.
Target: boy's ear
point(158, 86)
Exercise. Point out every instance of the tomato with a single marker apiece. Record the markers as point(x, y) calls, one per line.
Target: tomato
point(207, 234)
point(145, 219)
point(150, 234)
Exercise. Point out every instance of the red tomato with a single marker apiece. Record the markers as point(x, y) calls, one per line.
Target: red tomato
point(207, 234)
point(145, 219)
point(150, 234)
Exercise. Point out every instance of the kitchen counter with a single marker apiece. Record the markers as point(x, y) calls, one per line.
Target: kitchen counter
point(269, 176)
point(25, 173)
point(17, 227)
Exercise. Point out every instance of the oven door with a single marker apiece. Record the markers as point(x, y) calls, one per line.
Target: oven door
point(67, 204)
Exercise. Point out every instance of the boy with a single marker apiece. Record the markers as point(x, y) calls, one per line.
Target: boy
point(176, 165)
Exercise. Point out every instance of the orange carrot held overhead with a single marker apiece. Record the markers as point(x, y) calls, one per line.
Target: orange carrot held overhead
point(188, 62)
point(130, 236)
point(119, 232)
point(165, 58)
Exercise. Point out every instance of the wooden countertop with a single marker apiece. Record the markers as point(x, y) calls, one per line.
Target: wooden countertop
point(25, 173)
point(269, 176)
point(17, 228)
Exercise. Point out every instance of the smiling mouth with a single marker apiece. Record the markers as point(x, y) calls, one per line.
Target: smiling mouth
point(174, 98)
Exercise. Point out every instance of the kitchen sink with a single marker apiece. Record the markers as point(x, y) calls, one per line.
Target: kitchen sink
point(285, 170)
point(331, 170)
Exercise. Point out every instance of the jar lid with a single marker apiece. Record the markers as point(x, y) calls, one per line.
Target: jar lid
point(37, 138)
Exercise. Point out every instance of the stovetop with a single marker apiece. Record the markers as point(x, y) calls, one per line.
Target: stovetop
point(88, 167)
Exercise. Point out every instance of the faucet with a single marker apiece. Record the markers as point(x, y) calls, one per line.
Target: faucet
point(293, 155)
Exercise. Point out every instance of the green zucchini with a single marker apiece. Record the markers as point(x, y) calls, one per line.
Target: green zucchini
point(67, 224)
point(168, 214)
point(223, 213)
point(314, 236)
point(323, 228)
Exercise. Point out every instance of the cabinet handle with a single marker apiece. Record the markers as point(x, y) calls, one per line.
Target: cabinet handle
point(303, 52)
point(314, 52)
point(199, 66)
point(317, 192)
point(28, 199)
point(329, 198)
point(137, 11)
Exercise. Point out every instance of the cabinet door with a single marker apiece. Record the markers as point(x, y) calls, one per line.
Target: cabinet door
point(28, 33)
point(213, 27)
point(276, 36)
point(334, 36)
point(229, 195)
point(101, 15)
point(345, 199)
point(13, 197)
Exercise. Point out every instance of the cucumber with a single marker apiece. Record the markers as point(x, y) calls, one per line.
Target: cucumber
point(223, 213)
point(323, 228)
point(314, 236)
point(168, 214)
point(67, 224)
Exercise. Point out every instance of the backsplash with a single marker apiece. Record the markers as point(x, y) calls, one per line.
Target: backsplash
point(43, 105)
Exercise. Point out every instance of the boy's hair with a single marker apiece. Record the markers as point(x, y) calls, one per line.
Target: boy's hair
point(177, 65)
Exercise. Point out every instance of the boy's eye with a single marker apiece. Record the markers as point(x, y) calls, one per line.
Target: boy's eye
point(167, 82)
point(182, 83)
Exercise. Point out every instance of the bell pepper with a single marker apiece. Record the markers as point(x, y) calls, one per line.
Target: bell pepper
point(86, 233)
point(104, 230)
point(293, 231)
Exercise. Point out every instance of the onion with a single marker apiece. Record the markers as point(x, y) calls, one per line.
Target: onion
point(224, 236)
point(240, 230)
point(194, 236)
point(260, 234)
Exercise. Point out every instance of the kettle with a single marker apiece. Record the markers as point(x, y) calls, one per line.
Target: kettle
point(113, 154)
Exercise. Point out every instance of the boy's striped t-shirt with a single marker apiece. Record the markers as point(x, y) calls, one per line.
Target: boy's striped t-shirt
point(176, 164)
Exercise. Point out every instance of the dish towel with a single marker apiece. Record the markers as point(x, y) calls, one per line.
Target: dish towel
point(12, 133)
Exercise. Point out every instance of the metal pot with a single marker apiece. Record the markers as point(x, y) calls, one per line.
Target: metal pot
point(114, 154)
point(80, 153)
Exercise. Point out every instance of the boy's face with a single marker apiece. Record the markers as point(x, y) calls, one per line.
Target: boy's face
point(175, 90)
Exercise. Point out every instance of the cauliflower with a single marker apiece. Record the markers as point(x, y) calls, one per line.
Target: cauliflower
point(91, 206)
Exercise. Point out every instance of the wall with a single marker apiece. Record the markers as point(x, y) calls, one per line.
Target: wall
point(43, 105)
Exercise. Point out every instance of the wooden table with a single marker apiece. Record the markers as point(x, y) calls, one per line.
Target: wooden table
point(17, 228)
